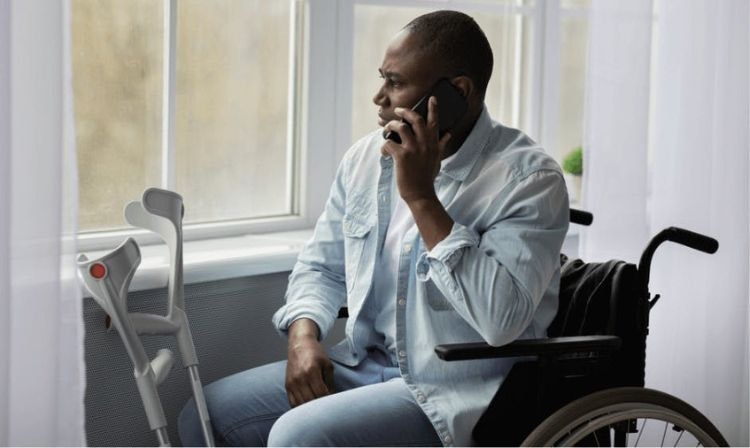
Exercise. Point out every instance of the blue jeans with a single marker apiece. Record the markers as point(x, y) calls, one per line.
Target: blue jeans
point(372, 406)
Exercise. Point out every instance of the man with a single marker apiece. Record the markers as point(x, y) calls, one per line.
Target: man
point(434, 240)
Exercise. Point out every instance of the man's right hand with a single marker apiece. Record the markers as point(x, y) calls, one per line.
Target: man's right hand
point(309, 371)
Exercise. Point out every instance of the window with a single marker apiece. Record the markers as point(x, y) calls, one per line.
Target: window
point(191, 95)
point(117, 60)
point(245, 107)
point(232, 146)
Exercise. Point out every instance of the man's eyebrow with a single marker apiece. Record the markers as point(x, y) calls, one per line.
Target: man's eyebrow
point(388, 74)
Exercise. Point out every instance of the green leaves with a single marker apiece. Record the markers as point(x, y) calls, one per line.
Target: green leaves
point(573, 162)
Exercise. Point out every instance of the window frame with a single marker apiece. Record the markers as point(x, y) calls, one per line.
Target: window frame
point(305, 202)
point(319, 126)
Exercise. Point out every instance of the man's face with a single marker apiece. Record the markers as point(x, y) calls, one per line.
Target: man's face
point(407, 76)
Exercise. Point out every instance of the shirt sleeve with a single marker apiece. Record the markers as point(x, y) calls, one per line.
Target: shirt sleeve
point(496, 279)
point(317, 284)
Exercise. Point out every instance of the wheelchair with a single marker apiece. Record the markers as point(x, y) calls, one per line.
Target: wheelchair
point(585, 383)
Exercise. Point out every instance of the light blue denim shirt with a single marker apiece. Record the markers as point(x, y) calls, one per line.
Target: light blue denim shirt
point(494, 278)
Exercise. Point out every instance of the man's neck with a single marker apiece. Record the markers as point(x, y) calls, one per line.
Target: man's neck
point(461, 132)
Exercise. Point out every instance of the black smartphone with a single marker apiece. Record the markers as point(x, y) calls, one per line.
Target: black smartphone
point(451, 107)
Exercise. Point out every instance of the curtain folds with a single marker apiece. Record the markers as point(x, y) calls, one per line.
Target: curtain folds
point(667, 121)
point(615, 129)
point(42, 377)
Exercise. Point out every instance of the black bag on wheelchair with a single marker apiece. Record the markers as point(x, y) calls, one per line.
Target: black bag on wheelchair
point(595, 299)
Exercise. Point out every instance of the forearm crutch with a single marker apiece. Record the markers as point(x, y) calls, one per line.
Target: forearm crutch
point(108, 279)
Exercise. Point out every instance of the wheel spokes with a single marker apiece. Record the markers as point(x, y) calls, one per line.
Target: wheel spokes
point(640, 433)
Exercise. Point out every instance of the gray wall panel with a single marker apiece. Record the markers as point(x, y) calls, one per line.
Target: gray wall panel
point(230, 322)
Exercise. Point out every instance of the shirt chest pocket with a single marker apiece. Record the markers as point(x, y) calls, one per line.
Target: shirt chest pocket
point(356, 240)
point(435, 297)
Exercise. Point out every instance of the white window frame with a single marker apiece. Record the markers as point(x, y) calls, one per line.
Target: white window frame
point(309, 172)
point(320, 86)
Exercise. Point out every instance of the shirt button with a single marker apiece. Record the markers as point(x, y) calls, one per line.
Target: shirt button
point(401, 302)
point(407, 248)
point(421, 398)
point(402, 354)
point(447, 439)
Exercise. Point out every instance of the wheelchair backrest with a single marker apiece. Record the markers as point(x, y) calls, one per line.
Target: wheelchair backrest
point(606, 299)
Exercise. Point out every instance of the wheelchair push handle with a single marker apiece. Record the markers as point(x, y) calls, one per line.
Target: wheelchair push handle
point(677, 235)
point(581, 217)
point(691, 239)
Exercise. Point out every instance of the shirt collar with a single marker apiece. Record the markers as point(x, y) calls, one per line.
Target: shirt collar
point(459, 165)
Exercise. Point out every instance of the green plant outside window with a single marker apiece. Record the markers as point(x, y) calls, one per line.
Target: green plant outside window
point(573, 162)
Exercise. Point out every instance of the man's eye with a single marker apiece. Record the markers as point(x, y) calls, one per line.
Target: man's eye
point(390, 82)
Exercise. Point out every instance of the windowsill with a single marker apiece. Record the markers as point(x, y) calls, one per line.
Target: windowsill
point(219, 258)
point(225, 258)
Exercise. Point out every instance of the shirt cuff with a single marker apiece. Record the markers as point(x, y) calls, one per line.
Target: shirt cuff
point(446, 254)
point(286, 315)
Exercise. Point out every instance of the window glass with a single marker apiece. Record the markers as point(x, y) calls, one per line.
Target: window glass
point(233, 156)
point(508, 92)
point(232, 108)
point(117, 84)
point(374, 27)
point(573, 38)
point(575, 4)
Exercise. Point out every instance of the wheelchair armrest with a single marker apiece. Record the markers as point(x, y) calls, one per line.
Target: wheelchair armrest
point(528, 347)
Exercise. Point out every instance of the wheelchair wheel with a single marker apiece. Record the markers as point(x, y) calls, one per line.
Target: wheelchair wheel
point(626, 416)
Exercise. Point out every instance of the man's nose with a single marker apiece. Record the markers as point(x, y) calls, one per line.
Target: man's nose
point(380, 99)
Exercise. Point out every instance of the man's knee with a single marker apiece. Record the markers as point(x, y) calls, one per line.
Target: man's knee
point(300, 427)
point(242, 407)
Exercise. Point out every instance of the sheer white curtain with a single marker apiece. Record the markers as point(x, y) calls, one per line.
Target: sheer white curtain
point(42, 377)
point(667, 144)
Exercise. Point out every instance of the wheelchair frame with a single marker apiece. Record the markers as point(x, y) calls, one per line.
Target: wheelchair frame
point(600, 401)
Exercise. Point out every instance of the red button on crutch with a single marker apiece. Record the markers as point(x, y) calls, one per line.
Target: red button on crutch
point(98, 270)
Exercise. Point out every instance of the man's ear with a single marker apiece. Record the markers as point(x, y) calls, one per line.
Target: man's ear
point(464, 84)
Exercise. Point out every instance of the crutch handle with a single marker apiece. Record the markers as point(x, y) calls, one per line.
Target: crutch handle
point(162, 365)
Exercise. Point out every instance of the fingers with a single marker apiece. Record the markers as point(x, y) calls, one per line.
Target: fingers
point(413, 118)
point(403, 130)
point(328, 378)
point(443, 144)
point(309, 386)
point(432, 115)
point(420, 138)
point(425, 132)
point(319, 387)
point(293, 400)
point(304, 392)
point(392, 148)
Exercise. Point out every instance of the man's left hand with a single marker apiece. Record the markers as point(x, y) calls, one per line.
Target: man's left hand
point(419, 154)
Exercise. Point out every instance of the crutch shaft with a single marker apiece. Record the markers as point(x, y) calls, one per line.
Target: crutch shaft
point(161, 434)
point(200, 404)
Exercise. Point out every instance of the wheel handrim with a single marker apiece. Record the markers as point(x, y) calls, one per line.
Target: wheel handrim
point(608, 415)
